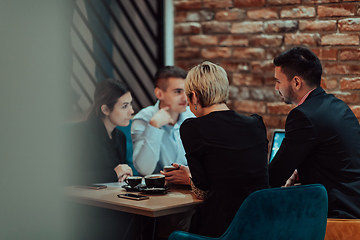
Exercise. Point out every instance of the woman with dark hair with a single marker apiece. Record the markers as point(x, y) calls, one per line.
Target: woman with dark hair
point(99, 147)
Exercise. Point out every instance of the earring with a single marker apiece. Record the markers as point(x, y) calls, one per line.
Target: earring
point(195, 106)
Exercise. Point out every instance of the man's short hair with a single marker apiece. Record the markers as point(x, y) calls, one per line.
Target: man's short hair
point(209, 82)
point(302, 62)
point(164, 73)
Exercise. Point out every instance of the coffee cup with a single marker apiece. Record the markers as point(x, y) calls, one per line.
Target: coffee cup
point(155, 181)
point(133, 181)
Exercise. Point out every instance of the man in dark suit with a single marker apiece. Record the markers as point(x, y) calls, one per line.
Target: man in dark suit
point(322, 135)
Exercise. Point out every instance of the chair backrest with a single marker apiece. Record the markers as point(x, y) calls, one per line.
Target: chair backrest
point(298, 212)
point(295, 213)
point(129, 147)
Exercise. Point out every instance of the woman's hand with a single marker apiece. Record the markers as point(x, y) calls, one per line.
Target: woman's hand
point(123, 171)
point(178, 176)
point(292, 180)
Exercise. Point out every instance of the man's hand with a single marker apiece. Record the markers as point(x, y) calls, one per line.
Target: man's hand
point(123, 171)
point(178, 176)
point(292, 180)
point(161, 118)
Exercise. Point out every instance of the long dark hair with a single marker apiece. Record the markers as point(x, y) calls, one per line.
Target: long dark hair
point(107, 92)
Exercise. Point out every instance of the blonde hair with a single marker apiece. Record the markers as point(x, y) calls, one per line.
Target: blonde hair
point(209, 82)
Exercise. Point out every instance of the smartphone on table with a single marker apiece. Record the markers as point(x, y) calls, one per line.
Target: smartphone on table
point(133, 196)
point(92, 186)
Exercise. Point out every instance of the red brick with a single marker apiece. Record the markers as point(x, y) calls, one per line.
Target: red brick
point(264, 13)
point(347, 97)
point(233, 92)
point(203, 40)
point(350, 54)
point(218, 52)
point(187, 28)
point(187, 52)
point(279, 108)
point(181, 17)
point(240, 79)
point(283, 2)
point(233, 40)
point(218, 4)
point(247, 27)
point(349, 24)
point(249, 106)
point(271, 53)
point(181, 41)
point(305, 39)
point(263, 94)
point(338, 10)
point(231, 66)
point(329, 83)
point(278, 26)
point(340, 39)
point(317, 26)
point(356, 111)
point(230, 15)
point(273, 122)
point(207, 15)
point(320, 1)
point(249, 53)
point(341, 68)
point(187, 4)
point(298, 12)
point(248, 3)
point(350, 83)
point(266, 40)
point(326, 54)
point(216, 27)
point(262, 66)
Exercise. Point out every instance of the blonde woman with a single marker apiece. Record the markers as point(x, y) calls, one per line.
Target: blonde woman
point(226, 151)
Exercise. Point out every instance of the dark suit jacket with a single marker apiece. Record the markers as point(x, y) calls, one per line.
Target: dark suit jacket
point(94, 155)
point(322, 141)
point(227, 155)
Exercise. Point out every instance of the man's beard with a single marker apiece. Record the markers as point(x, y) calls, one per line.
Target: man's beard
point(290, 96)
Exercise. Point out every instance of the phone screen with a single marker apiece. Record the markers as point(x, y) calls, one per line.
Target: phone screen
point(132, 196)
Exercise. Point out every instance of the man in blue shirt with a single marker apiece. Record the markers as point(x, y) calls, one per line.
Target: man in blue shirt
point(155, 129)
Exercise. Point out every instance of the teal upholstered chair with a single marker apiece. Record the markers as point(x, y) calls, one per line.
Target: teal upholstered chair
point(129, 147)
point(295, 213)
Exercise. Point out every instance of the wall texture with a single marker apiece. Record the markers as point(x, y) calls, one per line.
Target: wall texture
point(244, 36)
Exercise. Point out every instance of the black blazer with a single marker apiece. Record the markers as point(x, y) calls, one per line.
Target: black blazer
point(94, 155)
point(227, 155)
point(322, 141)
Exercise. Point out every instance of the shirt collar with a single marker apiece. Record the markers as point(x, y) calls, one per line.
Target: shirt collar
point(304, 97)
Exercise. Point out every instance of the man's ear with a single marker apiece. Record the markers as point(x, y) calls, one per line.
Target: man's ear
point(159, 94)
point(105, 110)
point(297, 82)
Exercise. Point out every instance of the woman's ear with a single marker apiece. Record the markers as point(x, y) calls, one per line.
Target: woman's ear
point(194, 98)
point(105, 110)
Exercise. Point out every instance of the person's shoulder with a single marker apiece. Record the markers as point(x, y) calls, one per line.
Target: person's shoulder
point(185, 115)
point(189, 123)
point(119, 134)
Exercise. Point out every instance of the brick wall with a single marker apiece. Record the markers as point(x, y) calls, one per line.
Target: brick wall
point(244, 36)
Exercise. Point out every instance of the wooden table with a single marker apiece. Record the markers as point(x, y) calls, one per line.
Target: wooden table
point(177, 200)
